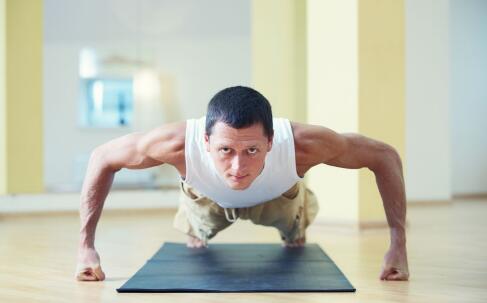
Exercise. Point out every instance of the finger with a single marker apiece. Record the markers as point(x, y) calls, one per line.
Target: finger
point(385, 272)
point(91, 274)
point(86, 266)
point(100, 275)
point(86, 275)
point(397, 276)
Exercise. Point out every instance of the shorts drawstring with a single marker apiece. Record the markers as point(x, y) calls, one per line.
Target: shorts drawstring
point(233, 215)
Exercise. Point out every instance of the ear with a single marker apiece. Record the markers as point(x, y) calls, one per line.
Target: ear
point(269, 143)
point(207, 142)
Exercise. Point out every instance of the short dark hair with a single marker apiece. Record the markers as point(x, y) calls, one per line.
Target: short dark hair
point(239, 107)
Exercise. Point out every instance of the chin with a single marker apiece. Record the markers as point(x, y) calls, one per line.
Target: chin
point(237, 186)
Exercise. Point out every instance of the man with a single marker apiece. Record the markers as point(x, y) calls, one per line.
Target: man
point(240, 162)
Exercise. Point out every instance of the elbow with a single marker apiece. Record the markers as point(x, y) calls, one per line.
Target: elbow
point(392, 158)
point(99, 160)
point(97, 155)
point(388, 159)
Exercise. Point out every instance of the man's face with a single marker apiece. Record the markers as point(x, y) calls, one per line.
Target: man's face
point(238, 154)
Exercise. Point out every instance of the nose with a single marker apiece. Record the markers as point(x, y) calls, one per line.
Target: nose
point(237, 164)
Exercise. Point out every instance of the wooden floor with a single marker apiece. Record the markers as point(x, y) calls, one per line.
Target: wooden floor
point(447, 254)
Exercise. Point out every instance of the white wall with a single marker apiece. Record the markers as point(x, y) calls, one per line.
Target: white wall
point(446, 60)
point(428, 167)
point(203, 46)
point(468, 91)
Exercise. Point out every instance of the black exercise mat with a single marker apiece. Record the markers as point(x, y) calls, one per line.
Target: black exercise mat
point(238, 268)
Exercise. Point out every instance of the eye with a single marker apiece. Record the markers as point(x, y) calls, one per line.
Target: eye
point(225, 150)
point(252, 150)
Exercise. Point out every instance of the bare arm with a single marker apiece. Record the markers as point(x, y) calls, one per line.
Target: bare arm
point(133, 151)
point(357, 151)
point(317, 145)
point(105, 161)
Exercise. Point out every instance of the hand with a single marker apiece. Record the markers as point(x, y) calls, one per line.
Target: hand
point(395, 266)
point(88, 268)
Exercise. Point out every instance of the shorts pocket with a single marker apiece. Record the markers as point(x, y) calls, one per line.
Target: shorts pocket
point(197, 201)
point(291, 193)
point(191, 194)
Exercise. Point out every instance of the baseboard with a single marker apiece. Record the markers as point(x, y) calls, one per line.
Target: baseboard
point(456, 197)
point(69, 202)
point(429, 202)
point(349, 225)
point(473, 196)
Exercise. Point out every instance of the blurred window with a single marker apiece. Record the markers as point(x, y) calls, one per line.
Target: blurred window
point(106, 102)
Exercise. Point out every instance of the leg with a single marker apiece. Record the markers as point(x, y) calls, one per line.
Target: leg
point(291, 214)
point(198, 217)
point(194, 242)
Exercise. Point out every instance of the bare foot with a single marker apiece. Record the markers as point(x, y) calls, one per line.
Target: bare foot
point(194, 242)
point(296, 243)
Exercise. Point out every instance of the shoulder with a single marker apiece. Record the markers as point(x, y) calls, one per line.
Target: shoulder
point(165, 143)
point(315, 144)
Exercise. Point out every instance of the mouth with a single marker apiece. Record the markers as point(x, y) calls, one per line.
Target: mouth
point(238, 178)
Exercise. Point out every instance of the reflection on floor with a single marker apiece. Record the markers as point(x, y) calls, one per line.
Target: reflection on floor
point(446, 246)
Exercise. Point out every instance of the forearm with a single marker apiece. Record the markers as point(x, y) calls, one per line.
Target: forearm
point(390, 181)
point(96, 186)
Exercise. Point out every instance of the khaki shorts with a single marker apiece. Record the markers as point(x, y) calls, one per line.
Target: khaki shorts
point(291, 213)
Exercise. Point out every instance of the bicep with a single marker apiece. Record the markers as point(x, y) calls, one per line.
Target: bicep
point(357, 151)
point(125, 152)
point(320, 145)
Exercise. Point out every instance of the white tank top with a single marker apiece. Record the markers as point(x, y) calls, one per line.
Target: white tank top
point(279, 173)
